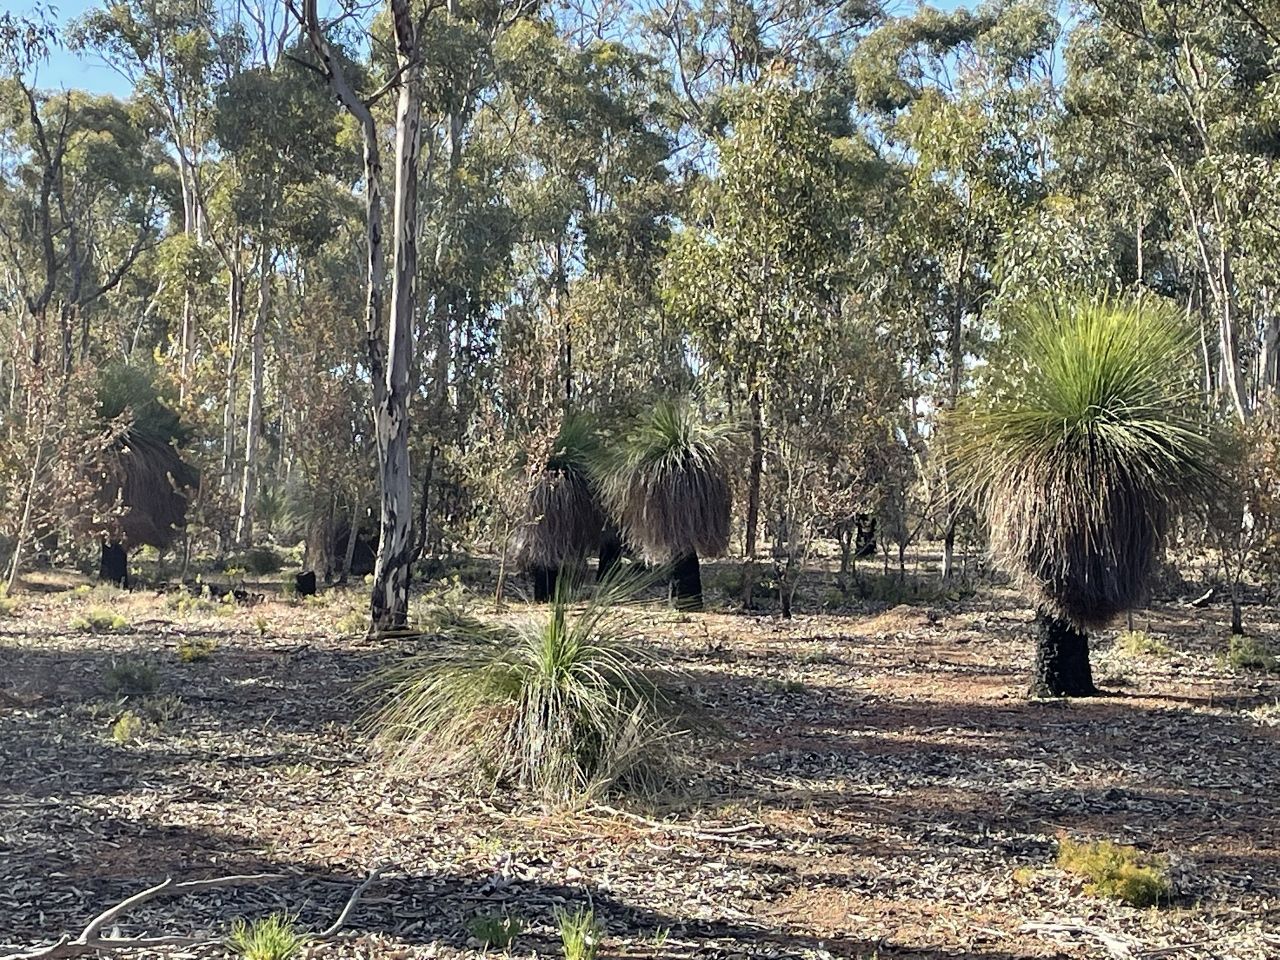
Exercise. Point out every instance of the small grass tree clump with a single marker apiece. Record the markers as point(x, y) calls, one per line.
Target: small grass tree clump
point(269, 938)
point(563, 520)
point(668, 487)
point(1079, 457)
point(580, 933)
point(561, 703)
point(1117, 871)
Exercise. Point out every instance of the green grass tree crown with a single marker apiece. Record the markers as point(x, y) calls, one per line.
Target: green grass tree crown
point(667, 483)
point(1080, 455)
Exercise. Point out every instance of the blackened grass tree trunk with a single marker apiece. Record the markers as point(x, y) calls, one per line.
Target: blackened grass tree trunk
point(114, 566)
point(1061, 666)
point(389, 343)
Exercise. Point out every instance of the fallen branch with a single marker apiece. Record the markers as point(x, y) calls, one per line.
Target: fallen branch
point(1121, 949)
point(714, 834)
point(91, 941)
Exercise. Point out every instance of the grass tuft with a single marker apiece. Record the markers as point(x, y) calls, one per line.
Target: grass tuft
point(1249, 653)
point(196, 649)
point(563, 703)
point(1117, 871)
point(580, 933)
point(126, 677)
point(100, 620)
point(1138, 643)
point(498, 931)
point(270, 938)
point(129, 728)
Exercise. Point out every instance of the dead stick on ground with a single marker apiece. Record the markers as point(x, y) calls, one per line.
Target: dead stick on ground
point(90, 941)
point(706, 831)
point(1118, 948)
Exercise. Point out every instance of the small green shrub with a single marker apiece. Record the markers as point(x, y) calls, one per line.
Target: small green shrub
point(261, 624)
point(128, 677)
point(1249, 653)
point(1117, 871)
point(1139, 643)
point(495, 930)
point(580, 933)
point(8, 605)
point(259, 561)
point(271, 938)
point(99, 620)
point(128, 728)
point(196, 649)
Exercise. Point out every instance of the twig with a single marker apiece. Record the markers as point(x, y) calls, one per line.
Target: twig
point(716, 834)
point(333, 928)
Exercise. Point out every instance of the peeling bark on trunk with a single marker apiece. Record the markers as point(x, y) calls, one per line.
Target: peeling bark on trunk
point(389, 343)
point(1062, 659)
point(389, 607)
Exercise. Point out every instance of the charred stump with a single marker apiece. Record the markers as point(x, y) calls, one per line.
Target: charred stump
point(114, 565)
point(1062, 659)
point(686, 582)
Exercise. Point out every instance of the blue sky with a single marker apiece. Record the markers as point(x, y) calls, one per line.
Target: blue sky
point(66, 69)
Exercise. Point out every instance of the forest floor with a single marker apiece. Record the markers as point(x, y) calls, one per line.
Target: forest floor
point(881, 787)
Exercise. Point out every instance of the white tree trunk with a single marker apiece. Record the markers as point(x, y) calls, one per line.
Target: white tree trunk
point(253, 421)
point(390, 602)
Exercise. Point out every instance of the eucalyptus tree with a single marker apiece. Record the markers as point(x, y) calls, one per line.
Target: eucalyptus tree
point(278, 132)
point(767, 251)
point(1188, 84)
point(963, 102)
point(390, 335)
point(176, 55)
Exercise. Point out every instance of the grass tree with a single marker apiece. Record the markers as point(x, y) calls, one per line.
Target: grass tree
point(562, 703)
point(563, 519)
point(144, 479)
point(668, 488)
point(1079, 456)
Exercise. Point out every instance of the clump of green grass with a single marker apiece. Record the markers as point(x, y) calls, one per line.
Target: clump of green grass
point(353, 623)
point(495, 930)
point(1249, 653)
point(8, 605)
point(128, 677)
point(100, 620)
point(1139, 643)
point(196, 649)
point(580, 933)
point(1117, 871)
point(270, 938)
point(563, 703)
point(163, 707)
point(129, 728)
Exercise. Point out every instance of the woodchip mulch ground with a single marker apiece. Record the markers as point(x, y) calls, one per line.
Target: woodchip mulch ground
point(880, 787)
